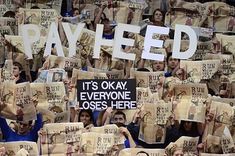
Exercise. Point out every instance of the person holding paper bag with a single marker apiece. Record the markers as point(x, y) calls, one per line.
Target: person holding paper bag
point(119, 118)
point(108, 32)
point(25, 132)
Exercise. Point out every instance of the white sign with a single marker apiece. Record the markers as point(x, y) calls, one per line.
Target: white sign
point(53, 38)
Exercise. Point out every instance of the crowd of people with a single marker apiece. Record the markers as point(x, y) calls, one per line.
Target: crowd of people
point(171, 71)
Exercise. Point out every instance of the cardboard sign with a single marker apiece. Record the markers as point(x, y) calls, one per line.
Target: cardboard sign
point(119, 138)
point(190, 99)
point(142, 151)
point(45, 4)
point(17, 104)
point(14, 148)
point(100, 94)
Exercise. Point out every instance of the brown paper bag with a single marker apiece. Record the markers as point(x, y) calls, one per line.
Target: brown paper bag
point(110, 129)
point(50, 97)
point(7, 72)
point(60, 138)
point(138, 151)
point(190, 102)
point(17, 102)
point(41, 17)
point(187, 144)
point(13, 148)
point(45, 4)
point(7, 7)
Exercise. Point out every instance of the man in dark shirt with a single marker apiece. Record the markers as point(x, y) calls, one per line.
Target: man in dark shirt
point(17, 69)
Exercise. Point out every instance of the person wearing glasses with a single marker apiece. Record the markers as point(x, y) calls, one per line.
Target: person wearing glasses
point(25, 130)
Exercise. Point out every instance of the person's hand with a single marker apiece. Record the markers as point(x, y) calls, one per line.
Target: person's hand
point(66, 98)
point(42, 132)
point(103, 5)
point(109, 110)
point(2, 151)
point(124, 131)
point(60, 18)
point(67, 83)
point(136, 116)
point(175, 69)
point(200, 147)
point(35, 101)
point(172, 118)
point(209, 117)
point(2, 105)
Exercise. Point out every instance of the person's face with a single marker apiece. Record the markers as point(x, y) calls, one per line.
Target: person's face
point(12, 126)
point(158, 66)
point(75, 13)
point(23, 127)
point(187, 125)
point(107, 27)
point(118, 119)
point(178, 152)
point(57, 77)
point(180, 74)
point(158, 16)
point(16, 71)
point(85, 118)
point(172, 63)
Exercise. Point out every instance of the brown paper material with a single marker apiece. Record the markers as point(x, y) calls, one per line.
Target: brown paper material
point(187, 144)
point(226, 43)
point(66, 63)
point(7, 7)
point(167, 87)
point(12, 148)
point(155, 115)
point(60, 138)
point(45, 4)
point(139, 151)
point(17, 42)
point(95, 143)
point(202, 48)
point(200, 70)
point(7, 72)
point(147, 79)
point(222, 116)
point(17, 102)
point(115, 74)
point(41, 17)
point(213, 145)
point(190, 102)
point(85, 43)
point(50, 97)
point(110, 129)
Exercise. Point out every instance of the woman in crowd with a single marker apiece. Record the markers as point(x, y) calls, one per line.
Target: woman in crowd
point(86, 117)
point(157, 18)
